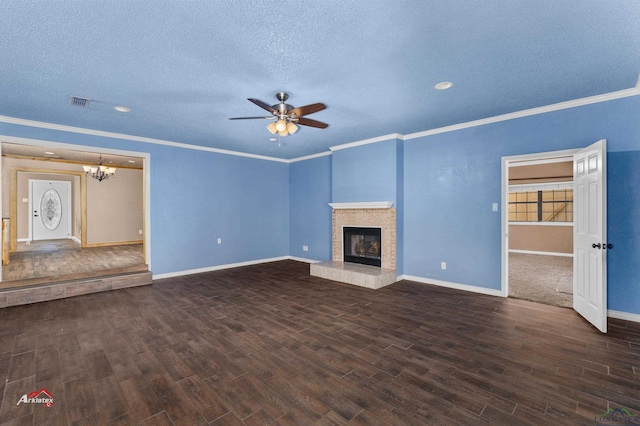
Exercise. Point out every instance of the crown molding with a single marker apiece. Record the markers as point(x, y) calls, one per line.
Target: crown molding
point(91, 132)
point(529, 112)
point(309, 157)
point(634, 91)
point(367, 141)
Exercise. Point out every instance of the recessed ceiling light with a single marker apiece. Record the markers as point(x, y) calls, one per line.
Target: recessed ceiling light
point(48, 152)
point(130, 161)
point(120, 108)
point(444, 85)
point(273, 139)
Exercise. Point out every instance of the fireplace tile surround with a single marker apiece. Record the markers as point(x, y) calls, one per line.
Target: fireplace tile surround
point(361, 215)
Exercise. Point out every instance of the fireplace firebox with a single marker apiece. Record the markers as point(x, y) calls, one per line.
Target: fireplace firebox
point(362, 245)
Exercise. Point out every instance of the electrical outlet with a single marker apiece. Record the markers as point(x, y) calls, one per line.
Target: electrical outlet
point(443, 265)
point(494, 207)
point(219, 240)
point(305, 248)
point(25, 200)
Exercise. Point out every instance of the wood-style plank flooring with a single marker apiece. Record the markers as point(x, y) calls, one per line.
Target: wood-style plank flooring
point(65, 259)
point(268, 344)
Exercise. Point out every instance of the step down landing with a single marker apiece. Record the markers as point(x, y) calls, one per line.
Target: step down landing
point(60, 290)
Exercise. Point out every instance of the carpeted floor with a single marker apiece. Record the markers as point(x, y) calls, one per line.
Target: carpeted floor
point(540, 278)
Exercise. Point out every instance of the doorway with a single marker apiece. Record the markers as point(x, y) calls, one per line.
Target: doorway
point(87, 250)
point(50, 210)
point(540, 227)
point(589, 227)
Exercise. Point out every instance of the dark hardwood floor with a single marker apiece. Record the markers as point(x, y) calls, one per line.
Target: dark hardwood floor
point(268, 344)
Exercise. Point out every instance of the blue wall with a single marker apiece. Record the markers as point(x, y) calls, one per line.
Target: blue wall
point(365, 173)
point(623, 230)
point(373, 172)
point(309, 210)
point(399, 207)
point(451, 180)
point(197, 197)
point(442, 185)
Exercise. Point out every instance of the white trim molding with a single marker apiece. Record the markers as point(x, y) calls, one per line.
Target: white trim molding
point(541, 253)
point(456, 286)
point(217, 267)
point(634, 91)
point(302, 259)
point(367, 141)
point(231, 266)
point(309, 157)
point(532, 111)
point(623, 315)
point(92, 132)
point(362, 205)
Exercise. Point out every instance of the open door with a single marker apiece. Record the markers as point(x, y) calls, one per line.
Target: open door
point(590, 234)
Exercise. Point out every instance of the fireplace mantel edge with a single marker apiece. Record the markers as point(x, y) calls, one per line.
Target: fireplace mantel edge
point(363, 205)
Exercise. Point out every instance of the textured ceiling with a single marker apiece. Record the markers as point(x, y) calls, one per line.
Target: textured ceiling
point(185, 67)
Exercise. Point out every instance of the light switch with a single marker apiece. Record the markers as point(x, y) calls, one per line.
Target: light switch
point(494, 207)
point(219, 240)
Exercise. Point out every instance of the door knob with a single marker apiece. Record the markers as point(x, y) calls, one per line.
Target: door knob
point(607, 246)
point(594, 245)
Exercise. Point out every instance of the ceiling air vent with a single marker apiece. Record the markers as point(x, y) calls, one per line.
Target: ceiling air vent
point(78, 101)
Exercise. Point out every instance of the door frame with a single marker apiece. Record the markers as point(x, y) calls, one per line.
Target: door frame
point(146, 176)
point(523, 159)
point(69, 208)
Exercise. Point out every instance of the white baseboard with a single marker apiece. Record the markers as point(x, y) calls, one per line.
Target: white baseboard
point(302, 259)
point(457, 286)
point(543, 253)
point(26, 240)
point(465, 287)
point(623, 315)
point(218, 267)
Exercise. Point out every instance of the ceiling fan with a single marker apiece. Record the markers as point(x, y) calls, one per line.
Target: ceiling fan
point(286, 116)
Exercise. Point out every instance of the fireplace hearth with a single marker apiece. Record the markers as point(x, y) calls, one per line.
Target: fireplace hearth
point(362, 245)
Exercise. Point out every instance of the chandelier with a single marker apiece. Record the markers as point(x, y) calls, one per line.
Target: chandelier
point(99, 172)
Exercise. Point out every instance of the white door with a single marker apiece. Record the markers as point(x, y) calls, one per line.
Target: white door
point(590, 234)
point(50, 206)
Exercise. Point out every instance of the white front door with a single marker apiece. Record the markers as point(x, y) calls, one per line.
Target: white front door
point(50, 207)
point(590, 234)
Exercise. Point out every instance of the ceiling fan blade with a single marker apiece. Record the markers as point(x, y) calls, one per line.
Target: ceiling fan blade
point(263, 105)
point(307, 109)
point(312, 123)
point(251, 118)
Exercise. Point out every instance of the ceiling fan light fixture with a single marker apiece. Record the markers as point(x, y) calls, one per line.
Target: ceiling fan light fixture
point(286, 117)
point(291, 128)
point(281, 125)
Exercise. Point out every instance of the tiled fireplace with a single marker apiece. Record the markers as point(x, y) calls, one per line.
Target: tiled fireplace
point(365, 216)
